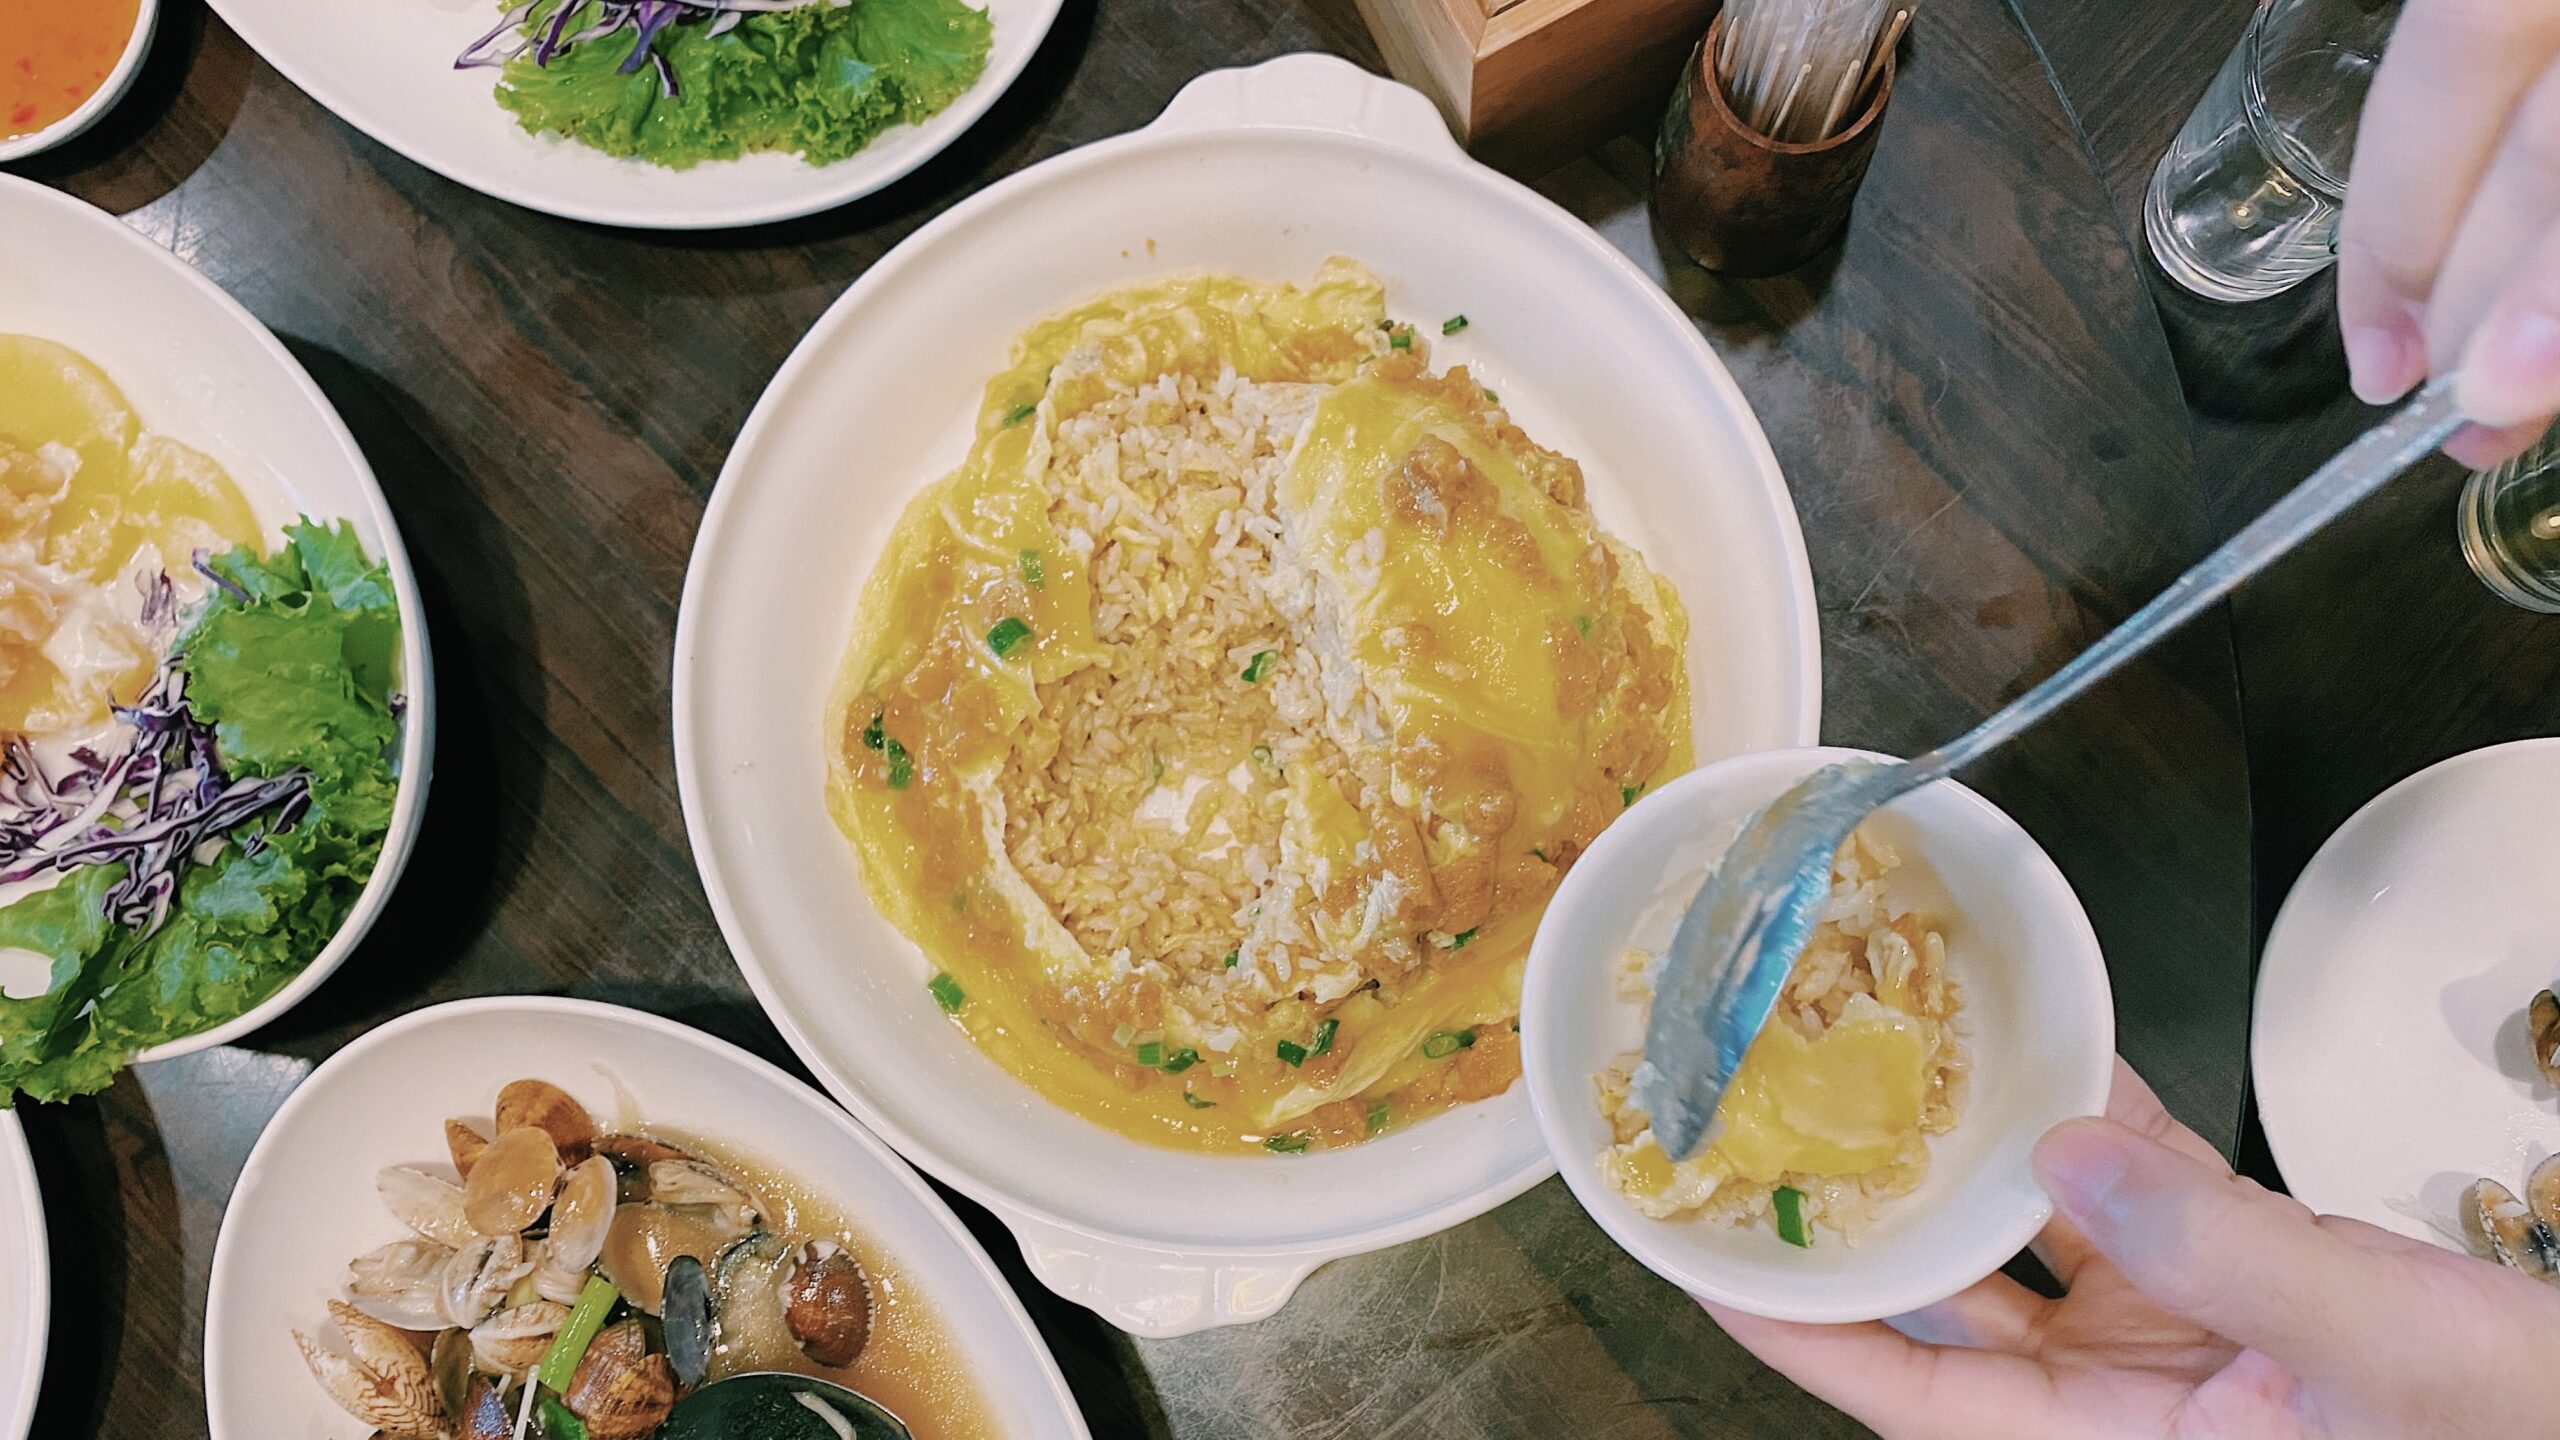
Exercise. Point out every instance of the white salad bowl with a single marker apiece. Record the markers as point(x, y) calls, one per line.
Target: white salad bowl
point(2036, 1018)
point(26, 1296)
point(202, 370)
point(146, 23)
point(305, 1204)
point(1265, 172)
point(386, 67)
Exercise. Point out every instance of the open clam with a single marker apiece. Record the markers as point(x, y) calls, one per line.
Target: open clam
point(2506, 1229)
point(382, 1380)
point(2542, 1019)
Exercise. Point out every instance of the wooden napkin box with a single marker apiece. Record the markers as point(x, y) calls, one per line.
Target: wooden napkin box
point(1530, 84)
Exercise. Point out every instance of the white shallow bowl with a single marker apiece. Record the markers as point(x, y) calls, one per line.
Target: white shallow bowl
point(202, 370)
point(305, 1204)
point(1266, 172)
point(2037, 1019)
point(146, 22)
point(2389, 1049)
point(386, 67)
point(26, 1297)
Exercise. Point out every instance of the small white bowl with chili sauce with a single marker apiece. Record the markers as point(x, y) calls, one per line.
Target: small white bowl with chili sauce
point(79, 55)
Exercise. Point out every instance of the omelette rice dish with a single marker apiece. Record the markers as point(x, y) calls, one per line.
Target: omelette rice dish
point(1221, 727)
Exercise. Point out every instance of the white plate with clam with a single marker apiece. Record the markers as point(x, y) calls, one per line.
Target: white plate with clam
point(2405, 1031)
point(505, 1208)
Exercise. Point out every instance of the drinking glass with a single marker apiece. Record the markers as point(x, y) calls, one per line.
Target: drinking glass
point(2511, 527)
point(2245, 205)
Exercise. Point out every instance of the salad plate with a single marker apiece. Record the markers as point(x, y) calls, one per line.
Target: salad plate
point(2392, 1049)
point(25, 1293)
point(1266, 172)
point(307, 1198)
point(389, 69)
point(194, 367)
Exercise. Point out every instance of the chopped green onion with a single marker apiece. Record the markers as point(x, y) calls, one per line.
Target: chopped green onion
point(1459, 940)
point(1180, 1060)
point(1034, 573)
point(1259, 666)
point(1292, 1053)
point(1400, 340)
point(1791, 1226)
point(559, 1422)
point(873, 735)
point(1492, 399)
point(1010, 631)
point(1196, 1103)
point(1583, 624)
point(1324, 1036)
point(1151, 1053)
point(1541, 854)
point(1231, 958)
point(577, 1332)
point(947, 992)
point(1447, 1043)
point(1377, 1116)
point(1266, 761)
point(1627, 794)
point(1020, 413)
point(902, 766)
point(1453, 324)
point(1285, 1144)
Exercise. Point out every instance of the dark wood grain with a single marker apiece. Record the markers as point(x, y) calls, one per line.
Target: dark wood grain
point(2373, 652)
point(1973, 399)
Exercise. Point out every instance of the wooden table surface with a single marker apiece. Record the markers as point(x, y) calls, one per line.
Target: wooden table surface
point(1977, 401)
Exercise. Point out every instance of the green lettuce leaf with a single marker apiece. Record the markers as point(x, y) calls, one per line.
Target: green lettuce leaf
point(820, 81)
point(298, 674)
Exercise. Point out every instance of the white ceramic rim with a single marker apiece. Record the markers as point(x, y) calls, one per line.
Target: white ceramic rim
point(146, 23)
point(830, 186)
point(2277, 1120)
point(715, 1051)
point(18, 1174)
point(1638, 1235)
point(417, 729)
point(1033, 1224)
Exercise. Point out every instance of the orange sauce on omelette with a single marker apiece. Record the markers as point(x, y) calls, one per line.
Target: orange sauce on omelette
point(55, 54)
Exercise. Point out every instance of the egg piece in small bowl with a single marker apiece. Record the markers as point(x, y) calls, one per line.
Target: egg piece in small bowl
point(1872, 1155)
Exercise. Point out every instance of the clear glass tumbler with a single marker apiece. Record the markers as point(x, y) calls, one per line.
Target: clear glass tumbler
point(2245, 205)
point(2510, 521)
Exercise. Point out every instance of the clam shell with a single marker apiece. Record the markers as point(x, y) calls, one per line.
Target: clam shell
point(552, 1110)
point(476, 1280)
point(424, 1203)
point(2505, 1229)
point(512, 1182)
point(620, 1390)
point(2542, 1017)
point(514, 1340)
point(401, 1283)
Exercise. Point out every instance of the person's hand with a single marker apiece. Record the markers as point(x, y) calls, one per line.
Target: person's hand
point(2200, 1306)
point(2449, 254)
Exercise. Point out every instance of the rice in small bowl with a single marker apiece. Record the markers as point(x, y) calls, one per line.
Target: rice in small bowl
point(2006, 993)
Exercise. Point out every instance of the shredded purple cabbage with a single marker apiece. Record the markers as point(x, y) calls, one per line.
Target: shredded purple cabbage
point(648, 18)
point(150, 809)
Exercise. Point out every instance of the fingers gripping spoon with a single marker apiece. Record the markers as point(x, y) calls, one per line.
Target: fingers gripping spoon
point(1740, 937)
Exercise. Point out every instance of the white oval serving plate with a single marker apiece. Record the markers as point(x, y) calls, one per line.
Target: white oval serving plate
point(26, 1296)
point(201, 369)
point(2037, 1021)
point(386, 67)
point(305, 1204)
point(146, 24)
point(1267, 172)
point(2389, 1047)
